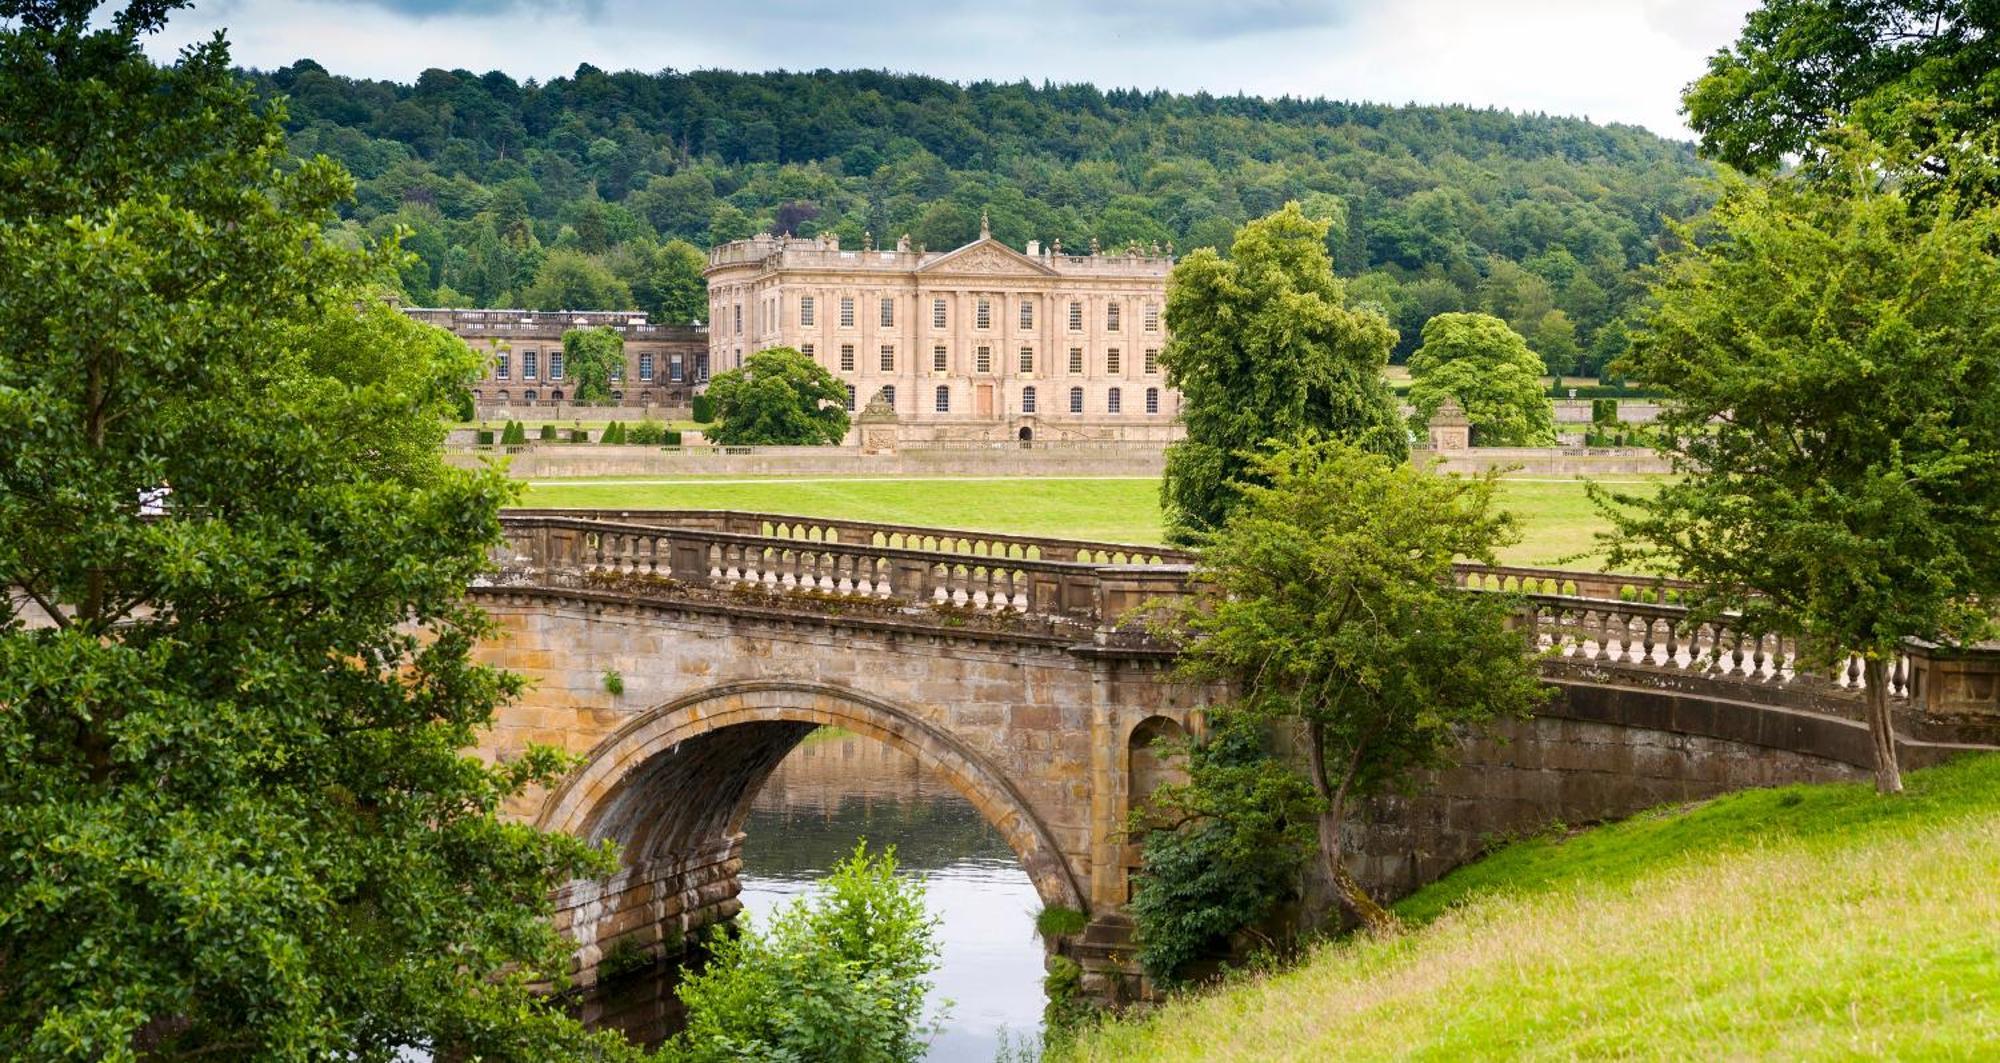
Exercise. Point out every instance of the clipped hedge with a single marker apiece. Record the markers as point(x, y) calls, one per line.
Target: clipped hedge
point(704, 409)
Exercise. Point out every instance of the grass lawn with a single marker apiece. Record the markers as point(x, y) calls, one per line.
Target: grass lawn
point(1556, 519)
point(1810, 922)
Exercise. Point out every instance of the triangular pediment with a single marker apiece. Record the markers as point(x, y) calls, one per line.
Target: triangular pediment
point(985, 256)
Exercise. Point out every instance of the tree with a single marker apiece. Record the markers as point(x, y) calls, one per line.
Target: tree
point(1484, 365)
point(680, 293)
point(571, 280)
point(778, 398)
point(1834, 382)
point(841, 975)
point(1914, 74)
point(592, 355)
point(1333, 611)
point(234, 811)
point(1555, 344)
point(1264, 347)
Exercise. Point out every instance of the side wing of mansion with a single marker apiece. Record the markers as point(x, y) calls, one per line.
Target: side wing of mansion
point(980, 343)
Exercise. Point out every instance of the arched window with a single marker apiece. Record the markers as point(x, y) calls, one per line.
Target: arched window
point(1111, 400)
point(1028, 399)
point(1152, 400)
point(943, 399)
point(1076, 400)
point(478, 396)
point(617, 396)
point(555, 395)
point(645, 398)
point(500, 396)
point(528, 396)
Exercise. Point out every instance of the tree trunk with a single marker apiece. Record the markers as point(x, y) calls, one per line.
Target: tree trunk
point(1888, 771)
point(1378, 920)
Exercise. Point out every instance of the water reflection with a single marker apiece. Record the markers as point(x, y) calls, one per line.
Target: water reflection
point(834, 790)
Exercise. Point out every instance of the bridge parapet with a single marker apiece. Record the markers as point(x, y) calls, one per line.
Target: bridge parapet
point(1618, 627)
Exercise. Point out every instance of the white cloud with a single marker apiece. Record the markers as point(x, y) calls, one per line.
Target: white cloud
point(1613, 60)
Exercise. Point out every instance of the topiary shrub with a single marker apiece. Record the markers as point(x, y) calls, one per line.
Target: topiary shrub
point(548, 433)
point(485, 437)
point(514, 434)
point(704, 409)
point(579, 435)
point(672, 438)
point(647, 433)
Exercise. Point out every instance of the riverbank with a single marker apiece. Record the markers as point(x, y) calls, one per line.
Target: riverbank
point(1802, 922)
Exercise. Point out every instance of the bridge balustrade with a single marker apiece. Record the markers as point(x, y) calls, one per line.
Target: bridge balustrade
point(564, 550)
point(874, 533)
point(1596, 621)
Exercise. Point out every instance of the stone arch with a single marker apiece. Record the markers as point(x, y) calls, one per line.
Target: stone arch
point(724, 741)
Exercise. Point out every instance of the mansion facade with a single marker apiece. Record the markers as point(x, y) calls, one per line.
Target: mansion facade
point(984, 342)
point(524, 369)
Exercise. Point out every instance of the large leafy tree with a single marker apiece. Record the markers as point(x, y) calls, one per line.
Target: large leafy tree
point(571, 280)
point(1264, 347)
point(1477, 360)
point(1833, 359)
point(779, 397)
point(1918, 75)
point(1334, 612)
point(592, 355)
point(236, 669)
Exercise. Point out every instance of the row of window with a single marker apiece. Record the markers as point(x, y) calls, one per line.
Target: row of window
point(982, 314)
point(531, 396)
point(503, 367)
point(982, 359)
point(1114, 399)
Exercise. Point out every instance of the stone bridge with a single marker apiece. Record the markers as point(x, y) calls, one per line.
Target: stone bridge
point(682, 655)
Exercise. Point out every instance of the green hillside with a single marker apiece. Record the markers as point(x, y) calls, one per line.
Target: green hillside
point(547, 194)
point(1811, 922)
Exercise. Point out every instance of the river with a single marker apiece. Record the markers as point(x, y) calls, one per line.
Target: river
point(834, 790)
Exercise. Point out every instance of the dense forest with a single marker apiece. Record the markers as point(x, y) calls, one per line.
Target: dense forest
point(601, 189)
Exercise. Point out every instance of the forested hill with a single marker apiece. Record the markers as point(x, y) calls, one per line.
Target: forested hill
point(571, 192)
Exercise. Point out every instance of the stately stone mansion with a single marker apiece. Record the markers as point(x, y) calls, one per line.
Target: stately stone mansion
point(984, 342)
point(978, 343)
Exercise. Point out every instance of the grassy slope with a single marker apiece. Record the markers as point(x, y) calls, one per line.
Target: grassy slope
point(1556, 517)
point(1808, 922)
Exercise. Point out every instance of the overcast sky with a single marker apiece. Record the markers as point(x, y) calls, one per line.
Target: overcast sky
point(1609, 60)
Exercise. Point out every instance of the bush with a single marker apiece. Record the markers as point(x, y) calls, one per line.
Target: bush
point(515, 434)
point(1057, 921)
point(1247, 830)
point(1603, 411)
point(548, 433)
point(646, 433)
point(704, 409)
point(613, 433)
point(841, 974)
point(485, 437)
point(672, 438)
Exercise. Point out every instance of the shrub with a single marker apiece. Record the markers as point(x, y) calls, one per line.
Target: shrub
point(514, 434)
point(613, 433)
point(841, 974)
point(485, 437)
point(1603, 411)
point(671, 438)
point(704, 409)
point(579, 435)
point(548, 433)
point(646, 433)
